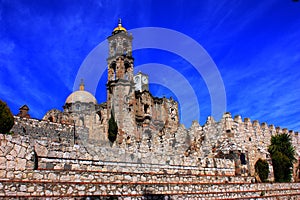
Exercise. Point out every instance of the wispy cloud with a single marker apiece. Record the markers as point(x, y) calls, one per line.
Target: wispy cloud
point(268, 87)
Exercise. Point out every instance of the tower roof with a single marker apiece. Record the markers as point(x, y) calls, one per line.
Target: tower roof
point(24, 107)
point(119, 28)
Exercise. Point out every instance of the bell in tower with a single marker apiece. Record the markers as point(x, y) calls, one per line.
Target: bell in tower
point(120, 61)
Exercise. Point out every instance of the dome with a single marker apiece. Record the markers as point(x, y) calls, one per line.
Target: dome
point(81, 96)
point(119, 28)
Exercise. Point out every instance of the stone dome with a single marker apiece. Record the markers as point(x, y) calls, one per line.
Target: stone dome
point(81, 96)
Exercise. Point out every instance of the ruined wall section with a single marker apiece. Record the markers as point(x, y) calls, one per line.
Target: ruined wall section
point(43, 129)
point(70, 172)
point(231, 139)
point(23, 152)
point(242, 141)
point(56, 141)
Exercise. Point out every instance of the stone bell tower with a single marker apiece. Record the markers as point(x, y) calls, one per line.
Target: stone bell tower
point(120, 61)
point(120, 84)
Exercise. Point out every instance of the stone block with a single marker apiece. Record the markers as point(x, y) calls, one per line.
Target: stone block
point(37, 176)
point(40, 150)
point(10, 165)
point(10, 193)
point(31, 189)
point(12, 154)
point(20, 164)
point(49, 165)
point(92, 189)
point(23, 188)
point(22, 152)
point(10, 157)
point(2, 173)
point(52, 177)
point(18, 174)
point(80, 187)
point(66, 155)
point(2, 163)
point(67, 167)
point(65, 178)
point(70, 190)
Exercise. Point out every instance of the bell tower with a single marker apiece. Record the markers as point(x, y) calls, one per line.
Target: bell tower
point(120, 84)
point(120, 61)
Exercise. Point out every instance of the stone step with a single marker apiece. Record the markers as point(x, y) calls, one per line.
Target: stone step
point(175, 190)
point(117, 176)
point(96, 165)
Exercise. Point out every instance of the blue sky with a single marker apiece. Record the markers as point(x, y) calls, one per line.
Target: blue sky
point(254, 44)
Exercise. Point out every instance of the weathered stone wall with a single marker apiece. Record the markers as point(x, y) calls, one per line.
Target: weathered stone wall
point(55, 153)
point(229, 138)
point(232, 138)
point(82, 178)
point(16, 153)
point(48, 159)
point(75, 184)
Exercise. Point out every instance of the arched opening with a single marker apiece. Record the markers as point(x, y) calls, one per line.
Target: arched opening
point(146, 108)
point(243, 159)
point(127, 70)
point(113, 68)
point(77, 107)
point(50, 119)
point(81, 121)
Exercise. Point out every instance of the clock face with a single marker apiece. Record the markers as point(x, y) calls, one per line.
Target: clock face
point(136, 79)
point(144, 79)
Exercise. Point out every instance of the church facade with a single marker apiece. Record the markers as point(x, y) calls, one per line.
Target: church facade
point(129, 100)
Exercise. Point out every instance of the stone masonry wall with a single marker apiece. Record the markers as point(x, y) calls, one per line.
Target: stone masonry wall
point(95, 178)
point(185, 147)
point(43, 159)
point(233, 137)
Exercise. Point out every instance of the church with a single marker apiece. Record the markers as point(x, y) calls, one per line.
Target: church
point(129, 100)
point(148, 125)
point(70, 154)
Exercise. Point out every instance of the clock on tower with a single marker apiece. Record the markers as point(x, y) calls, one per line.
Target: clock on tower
point(141, 82)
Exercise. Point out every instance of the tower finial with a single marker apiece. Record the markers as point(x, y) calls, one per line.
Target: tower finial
point(120, 21)
point(81, 86)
